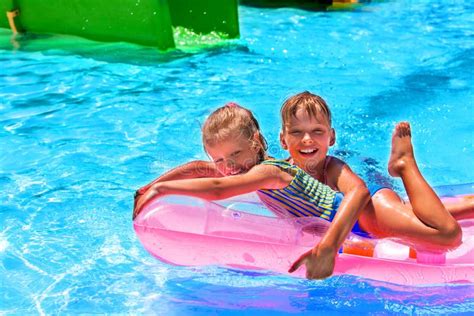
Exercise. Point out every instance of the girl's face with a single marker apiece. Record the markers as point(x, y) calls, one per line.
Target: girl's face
point(308, 139)
point(234, 155)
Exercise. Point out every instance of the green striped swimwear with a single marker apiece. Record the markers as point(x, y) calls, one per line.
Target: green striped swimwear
point(303, 197)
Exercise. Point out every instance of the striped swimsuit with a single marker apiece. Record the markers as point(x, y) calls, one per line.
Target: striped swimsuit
point(303, 197)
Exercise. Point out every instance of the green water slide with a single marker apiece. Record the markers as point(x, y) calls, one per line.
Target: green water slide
point(144, 22)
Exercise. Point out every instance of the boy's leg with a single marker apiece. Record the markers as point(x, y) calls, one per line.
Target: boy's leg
point(425, 203)
point(427, 220)
point(386, 215)
point(461, 207)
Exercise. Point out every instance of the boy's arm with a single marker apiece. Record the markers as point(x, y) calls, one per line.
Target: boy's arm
point(259, 177)
point(356, 196)
point(320, 260)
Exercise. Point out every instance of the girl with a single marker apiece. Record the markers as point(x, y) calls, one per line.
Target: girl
point(232, 139)
point(307, 135)
point(233, 117)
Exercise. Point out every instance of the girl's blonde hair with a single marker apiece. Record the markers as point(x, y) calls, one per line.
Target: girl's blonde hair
point(229, 120)
point(313, 105)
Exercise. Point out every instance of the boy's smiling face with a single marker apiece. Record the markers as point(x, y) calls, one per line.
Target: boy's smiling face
point(308, 138)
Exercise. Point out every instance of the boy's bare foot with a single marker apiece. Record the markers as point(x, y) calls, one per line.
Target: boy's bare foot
point(402, 149)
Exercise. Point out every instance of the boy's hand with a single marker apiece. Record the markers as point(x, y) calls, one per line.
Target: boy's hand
point(319, 263)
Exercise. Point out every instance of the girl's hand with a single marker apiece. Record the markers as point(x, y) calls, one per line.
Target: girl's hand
point(142, 200)
point(136, 197)
point(319, 262)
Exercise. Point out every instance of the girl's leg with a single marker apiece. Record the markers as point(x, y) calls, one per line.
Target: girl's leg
point(427, 220)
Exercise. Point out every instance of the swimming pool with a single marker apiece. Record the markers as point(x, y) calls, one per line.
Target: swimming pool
point(83, 127)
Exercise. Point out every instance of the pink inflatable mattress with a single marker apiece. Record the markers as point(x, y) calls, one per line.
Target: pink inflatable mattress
point(193, 232)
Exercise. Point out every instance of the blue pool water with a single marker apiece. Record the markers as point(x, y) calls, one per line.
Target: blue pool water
point(85, 124)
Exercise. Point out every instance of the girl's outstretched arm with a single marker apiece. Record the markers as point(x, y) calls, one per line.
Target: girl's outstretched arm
point(190, 170)
point(259, 177)
point(321, 259)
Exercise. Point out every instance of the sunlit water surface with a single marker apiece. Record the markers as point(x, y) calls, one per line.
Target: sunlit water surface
point(84, 124)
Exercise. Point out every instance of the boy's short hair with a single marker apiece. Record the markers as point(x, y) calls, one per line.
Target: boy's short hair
point(313, 105)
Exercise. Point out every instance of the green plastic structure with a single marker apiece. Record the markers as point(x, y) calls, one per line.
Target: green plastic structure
point(144, 22)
